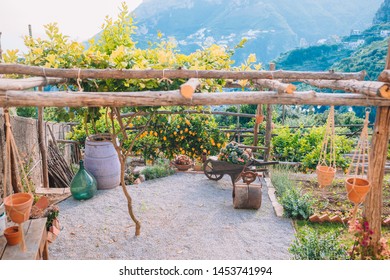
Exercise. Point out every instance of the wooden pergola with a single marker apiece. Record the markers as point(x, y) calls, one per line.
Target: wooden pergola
point(356, 92)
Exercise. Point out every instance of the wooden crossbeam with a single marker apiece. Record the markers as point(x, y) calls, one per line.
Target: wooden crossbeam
point(22, 84)
point(371, 88)
point(277, 85)
point(164, 112)
point(173, 98)
point(7, 68)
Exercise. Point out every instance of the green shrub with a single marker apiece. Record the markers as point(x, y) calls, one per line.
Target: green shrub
point(304, 145)
point(311, 245)
point(159, 170)
point(280, 180)
point(296, 204)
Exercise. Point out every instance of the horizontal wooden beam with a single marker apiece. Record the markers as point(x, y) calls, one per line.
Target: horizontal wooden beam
point(7, 68)
point(173, 98)
point(371, 88)
point(22, 84)
point(277, 85)
point(161, 112)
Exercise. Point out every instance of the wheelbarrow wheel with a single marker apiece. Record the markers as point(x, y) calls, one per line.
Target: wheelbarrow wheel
point(208, 171)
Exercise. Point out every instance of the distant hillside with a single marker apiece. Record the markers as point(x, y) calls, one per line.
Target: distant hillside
point(271, 26)
point(371, 58)
point(383, 14)
point(360, 51)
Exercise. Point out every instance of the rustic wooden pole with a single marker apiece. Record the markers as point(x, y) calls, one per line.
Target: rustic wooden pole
point(187, 89)
point(22, 84)
point(1, 51)
point(7, 68)
point(371, 88)
point(258, 121)
point(385, 76)
point(275, 84)
point(14, 173)
point(172, 98)
point(165, 112)
point(378, 156)
point(268, 127)
point(43, 148)
point(268, 132)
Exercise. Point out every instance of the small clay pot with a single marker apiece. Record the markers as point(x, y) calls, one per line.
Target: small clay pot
point(13, 235)
point(18, 206)
point(325, 175)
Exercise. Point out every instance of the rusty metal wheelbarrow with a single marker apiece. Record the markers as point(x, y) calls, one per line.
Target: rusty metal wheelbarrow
point(215, 169)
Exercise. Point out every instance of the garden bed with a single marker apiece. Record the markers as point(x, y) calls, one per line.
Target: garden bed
point(333, 200)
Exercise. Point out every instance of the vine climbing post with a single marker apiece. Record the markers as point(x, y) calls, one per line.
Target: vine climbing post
point(378, 156)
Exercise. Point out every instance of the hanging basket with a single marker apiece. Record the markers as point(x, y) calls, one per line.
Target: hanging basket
point(18, 206)
point(357, 189)
point(325, 175)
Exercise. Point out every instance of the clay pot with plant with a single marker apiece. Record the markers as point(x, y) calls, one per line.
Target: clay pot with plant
point(182, 162)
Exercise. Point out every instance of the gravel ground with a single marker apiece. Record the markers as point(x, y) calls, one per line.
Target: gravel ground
point(184, 216)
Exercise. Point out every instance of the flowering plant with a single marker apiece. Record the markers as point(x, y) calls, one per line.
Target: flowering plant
point(233, 154)
point(363, 247)
point(182, 160)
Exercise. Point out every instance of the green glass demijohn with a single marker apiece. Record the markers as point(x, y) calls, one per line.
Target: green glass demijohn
point(83, 185)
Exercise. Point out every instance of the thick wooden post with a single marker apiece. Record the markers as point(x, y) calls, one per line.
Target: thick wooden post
point(378, 156)
point(43, 148)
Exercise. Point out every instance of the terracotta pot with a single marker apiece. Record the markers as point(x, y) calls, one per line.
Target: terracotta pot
point(357, 189)
point(18, 206)
point(13, 235)
point(183, 167)
point(325, 175)
point(259, 118)
point(198, 167)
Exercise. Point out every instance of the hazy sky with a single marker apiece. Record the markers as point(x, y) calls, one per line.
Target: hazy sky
point(79, 19)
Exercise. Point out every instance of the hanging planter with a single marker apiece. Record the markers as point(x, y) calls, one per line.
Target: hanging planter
point(357, 189)
point(326, 173)
point(18, 207)
point(356, 185)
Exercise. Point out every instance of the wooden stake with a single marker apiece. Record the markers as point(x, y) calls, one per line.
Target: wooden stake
point(43, 148)
point(258, 120)
point(187, 90)
point(268, 133)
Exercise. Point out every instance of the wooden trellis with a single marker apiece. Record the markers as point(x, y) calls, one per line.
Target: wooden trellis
point(357, 92)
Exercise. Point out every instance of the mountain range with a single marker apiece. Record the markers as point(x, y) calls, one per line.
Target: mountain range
point(271, 26)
